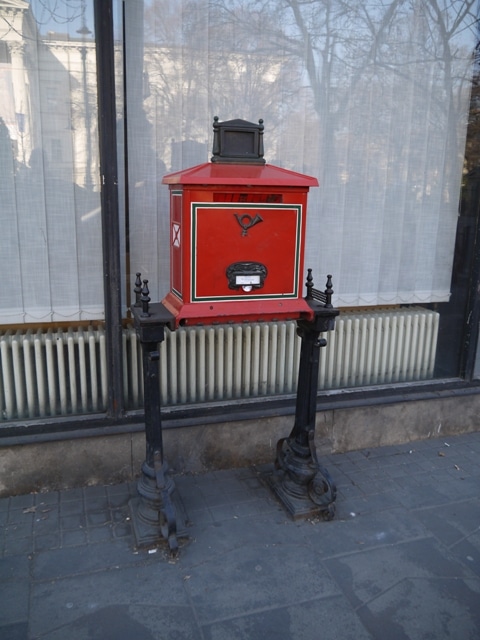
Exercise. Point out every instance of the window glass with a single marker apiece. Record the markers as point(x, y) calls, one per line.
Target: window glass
point(370, 98)
point(52, 362)
point(49, 183)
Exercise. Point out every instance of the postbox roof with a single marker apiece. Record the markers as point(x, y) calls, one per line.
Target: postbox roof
point(238, 174)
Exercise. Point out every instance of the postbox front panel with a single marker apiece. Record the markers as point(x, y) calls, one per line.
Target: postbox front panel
point(250, 251)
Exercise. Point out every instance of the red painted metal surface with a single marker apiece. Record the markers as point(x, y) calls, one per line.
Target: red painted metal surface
point(239, 174)
point(237, 236)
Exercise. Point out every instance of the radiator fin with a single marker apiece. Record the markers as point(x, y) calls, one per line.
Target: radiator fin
point(59, 373)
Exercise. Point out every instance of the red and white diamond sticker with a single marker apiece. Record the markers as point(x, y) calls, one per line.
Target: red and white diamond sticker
point(176, 235)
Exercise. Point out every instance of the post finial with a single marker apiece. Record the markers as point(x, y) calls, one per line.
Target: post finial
point(328, 293)
point(138, 289)
point(309, 284)
point(145, 298)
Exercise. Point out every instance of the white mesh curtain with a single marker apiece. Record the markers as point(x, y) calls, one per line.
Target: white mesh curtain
point(370, 97)
point(50, 241)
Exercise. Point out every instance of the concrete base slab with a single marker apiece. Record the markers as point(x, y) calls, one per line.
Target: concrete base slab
point(111, 459)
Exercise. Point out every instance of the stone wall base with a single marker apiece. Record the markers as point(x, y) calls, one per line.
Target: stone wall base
point(69, 463)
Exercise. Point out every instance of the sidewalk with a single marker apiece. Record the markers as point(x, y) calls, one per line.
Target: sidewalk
point(401, 559)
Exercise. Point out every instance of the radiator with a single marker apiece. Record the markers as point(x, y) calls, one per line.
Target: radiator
point(58, 373)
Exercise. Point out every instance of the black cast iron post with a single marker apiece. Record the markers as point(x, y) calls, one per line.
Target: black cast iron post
point(304, 487)
point(157, 512)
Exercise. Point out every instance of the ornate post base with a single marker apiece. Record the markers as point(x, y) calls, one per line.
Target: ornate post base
point(302, 485)
point(158, 513)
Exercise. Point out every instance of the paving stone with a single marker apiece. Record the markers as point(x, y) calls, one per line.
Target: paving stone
point(71, 494)
point(57, 563)
point(95, 491)
point(123, 530)
point(68, 604)
point(468, 551)
point(363, 576)
point(425, 608)
point(414, 494)
point(74, 521)
point(366, 504)
point(46, 523)
point(400, 560)
point(214, 539)
point(328, 618)
point(364, 531)
point(120, 515)
point(19, 529)
point(22, 502)
point(251, 578)
point(192, 499)
point(118, 622)
point(72, 507)
point(371, 484)
point(47, 541)
point(97, 518)
point(50, 498)
point(118, 490)
point(96, 503)
point(74, 538)
point(451, 525)
point(118, 500)
point(14, 568)
point(16, 631)
point(14, 601)
point(200, 517)
point(103, 533)
point(18, 546)
point(350, 491)
point(339, 477)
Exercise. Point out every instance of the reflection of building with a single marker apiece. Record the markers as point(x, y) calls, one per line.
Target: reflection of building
point(71, 95)
point(50, 213)
point(18, 35)
point(48, 95)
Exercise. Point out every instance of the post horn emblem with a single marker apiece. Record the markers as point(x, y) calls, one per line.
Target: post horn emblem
point(246, 221)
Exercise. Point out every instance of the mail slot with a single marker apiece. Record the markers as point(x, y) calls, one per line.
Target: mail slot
point(246, 275)
point(237, 234)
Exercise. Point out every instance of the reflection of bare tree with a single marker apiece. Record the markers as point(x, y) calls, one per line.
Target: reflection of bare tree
point(57, 13)
point(46, 71)
point(40, 16)
point(385, 88)
point(370, 97)
point(200, 64)
point(354, 53)
point(472, 150)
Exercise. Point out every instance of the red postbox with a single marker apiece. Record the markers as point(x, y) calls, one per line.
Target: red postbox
point(237, 234)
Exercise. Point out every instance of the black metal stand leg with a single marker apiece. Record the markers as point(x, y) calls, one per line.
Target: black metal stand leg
point(303, 486)
point(157, 512)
